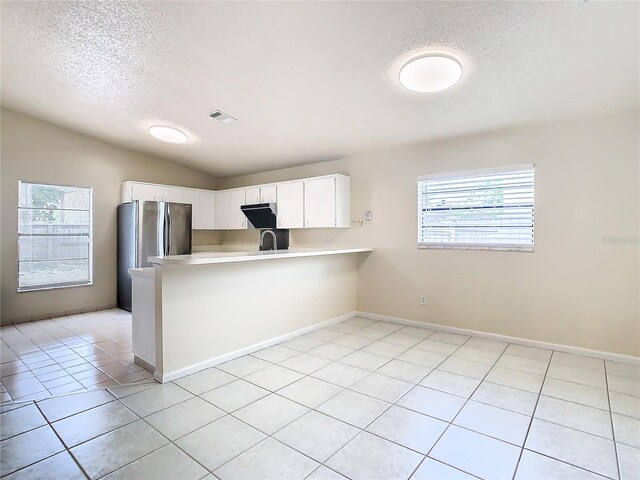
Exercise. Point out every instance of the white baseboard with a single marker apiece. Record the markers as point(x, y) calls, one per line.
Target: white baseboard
point(616, 357)
point(150, 367)
point(169, 376)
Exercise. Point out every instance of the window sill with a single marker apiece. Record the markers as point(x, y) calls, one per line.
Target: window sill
point(56, 287)
point(503, 248)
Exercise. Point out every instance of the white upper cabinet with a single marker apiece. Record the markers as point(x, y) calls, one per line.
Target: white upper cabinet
point(144, 191)
point(223, 208)
point(290, 209)
point(171, 194)
point(318, 202)
point(228, 213)
point(260, 194)
point(268, 194)
point(237, 219)
point(190, 195)
point(253, 195)
point(327, 202)
point(206, 209)
point(202, 201)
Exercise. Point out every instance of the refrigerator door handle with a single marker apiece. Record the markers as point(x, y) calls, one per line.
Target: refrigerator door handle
point(165, 231)
point(168, 230)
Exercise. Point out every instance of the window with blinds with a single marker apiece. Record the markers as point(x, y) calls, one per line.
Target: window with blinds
point(54, 236)
point(485, 209)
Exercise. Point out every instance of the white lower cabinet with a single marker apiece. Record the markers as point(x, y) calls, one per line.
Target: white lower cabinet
point(290, 209)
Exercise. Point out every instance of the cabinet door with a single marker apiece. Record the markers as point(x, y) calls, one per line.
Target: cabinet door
point(237, 219)
point(268, 194)
point(145, 191)
point(223, 204)
point(207, 207)
point(126, 192)
point(320, 203)
point(290, 212)
point(171, 194)
point(190, 195)
point(253, 195)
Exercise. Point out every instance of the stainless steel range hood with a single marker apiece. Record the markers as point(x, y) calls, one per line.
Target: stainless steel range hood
point(260, 215)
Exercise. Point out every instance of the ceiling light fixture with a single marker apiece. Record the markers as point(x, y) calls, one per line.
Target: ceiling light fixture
point(431, 72)
point(168, 134)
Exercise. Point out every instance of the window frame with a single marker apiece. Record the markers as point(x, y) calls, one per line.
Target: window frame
point(90, 240)
point(509, 247)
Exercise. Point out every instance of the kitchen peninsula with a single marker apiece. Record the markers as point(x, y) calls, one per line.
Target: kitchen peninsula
point(206, 308)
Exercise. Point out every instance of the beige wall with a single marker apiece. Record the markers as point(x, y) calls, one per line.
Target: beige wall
point(38, 151)
point(581, 285)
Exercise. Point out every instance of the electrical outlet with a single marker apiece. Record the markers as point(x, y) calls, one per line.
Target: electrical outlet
point(423, 299)
point(327, 240)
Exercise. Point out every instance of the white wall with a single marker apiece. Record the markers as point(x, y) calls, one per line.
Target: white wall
point(207, 312)
point(38, 151)
point(580, 287)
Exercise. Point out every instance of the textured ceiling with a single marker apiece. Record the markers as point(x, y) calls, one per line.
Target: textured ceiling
point(310, 81)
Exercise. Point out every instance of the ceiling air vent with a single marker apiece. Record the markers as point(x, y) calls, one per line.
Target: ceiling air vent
point(222, 117)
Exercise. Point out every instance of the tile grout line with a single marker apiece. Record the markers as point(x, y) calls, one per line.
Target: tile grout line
point(64, 445)
point(297, 418)
point(369, 372)
point(402, 396)
point(491, 405)
point(46, 352)
point(322, 413)
point(451, 422)
point(613, 430)
point(461, 408)
point(533, 414)
point(171, 441)
point(139, 418)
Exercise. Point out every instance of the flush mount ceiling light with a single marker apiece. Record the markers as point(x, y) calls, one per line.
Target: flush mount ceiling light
point(168, 134)
point(431, 72)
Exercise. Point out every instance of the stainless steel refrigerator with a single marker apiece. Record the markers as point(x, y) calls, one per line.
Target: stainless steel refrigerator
point(149, 229)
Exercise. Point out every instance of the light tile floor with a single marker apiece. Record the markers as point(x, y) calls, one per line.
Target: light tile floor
point(67, 354)
point(361, 400)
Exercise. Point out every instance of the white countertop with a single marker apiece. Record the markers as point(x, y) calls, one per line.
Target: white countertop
point(142, 272)
point(205, 258)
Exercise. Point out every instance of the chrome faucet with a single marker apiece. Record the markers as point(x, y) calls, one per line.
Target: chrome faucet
point(275, 240)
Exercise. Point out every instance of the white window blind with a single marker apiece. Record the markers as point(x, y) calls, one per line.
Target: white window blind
point(54, 236)
point(485, 209)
